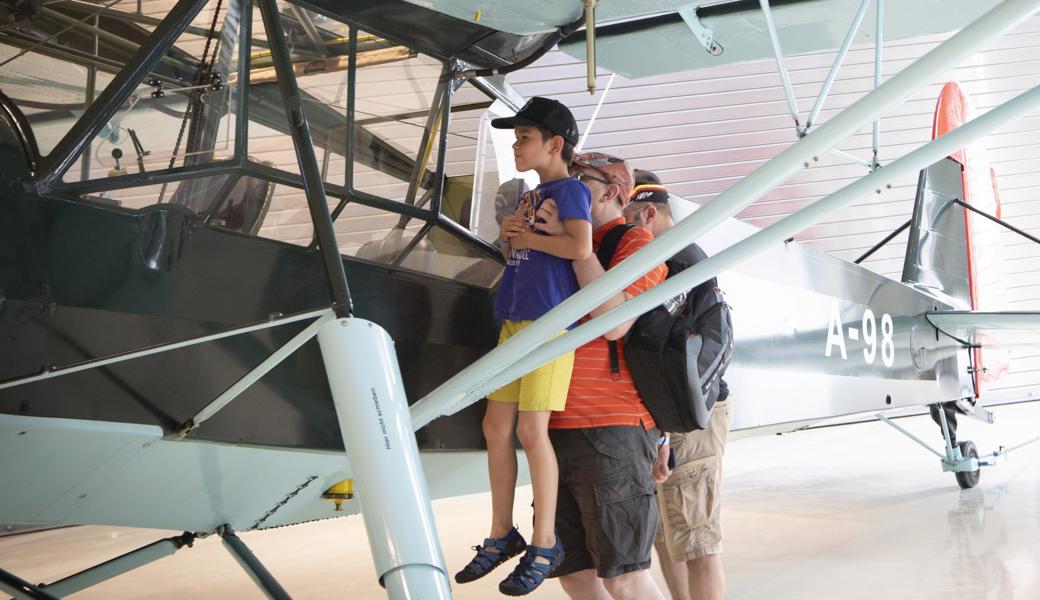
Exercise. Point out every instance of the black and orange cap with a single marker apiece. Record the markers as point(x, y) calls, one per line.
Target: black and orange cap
point(649, 192)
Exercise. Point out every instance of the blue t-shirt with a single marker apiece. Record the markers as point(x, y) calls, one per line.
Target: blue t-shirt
point(534, 282)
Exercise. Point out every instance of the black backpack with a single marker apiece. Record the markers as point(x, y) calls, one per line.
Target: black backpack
point(677, 352)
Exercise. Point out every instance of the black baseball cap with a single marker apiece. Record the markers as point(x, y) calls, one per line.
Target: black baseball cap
point(648, 188)
point(642, 176)
point(545, 113)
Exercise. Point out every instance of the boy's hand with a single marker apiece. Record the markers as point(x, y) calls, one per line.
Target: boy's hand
point(547, 219)
point(511, 226)
point(522, 240)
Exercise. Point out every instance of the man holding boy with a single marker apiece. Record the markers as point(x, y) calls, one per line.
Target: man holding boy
point(605, 440)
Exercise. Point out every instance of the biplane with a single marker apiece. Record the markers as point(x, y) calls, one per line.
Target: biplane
point(197, 338)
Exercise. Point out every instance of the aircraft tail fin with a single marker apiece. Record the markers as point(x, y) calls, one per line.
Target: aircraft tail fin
point(937, 249)
point(953, 252)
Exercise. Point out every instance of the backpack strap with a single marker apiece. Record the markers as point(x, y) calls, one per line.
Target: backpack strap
point(607, 246)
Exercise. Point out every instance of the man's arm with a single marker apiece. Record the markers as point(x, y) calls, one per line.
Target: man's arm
point(590, 270)
point(575, 243)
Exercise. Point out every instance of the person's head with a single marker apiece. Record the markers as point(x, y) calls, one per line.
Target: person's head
point(648, 204)
point(608, 179)
point(506, 196)
point(546, 134)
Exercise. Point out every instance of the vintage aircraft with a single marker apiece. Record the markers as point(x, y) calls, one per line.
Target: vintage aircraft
point(159, 362)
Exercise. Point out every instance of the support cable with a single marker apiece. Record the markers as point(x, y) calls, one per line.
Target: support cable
point(832, 74)
point(887, 239)
point(194, 97)
point(878, 45)
point(778, 53)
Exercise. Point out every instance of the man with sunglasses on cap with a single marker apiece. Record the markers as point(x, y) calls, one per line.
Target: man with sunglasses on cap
point(605, 439)
point(689, 537)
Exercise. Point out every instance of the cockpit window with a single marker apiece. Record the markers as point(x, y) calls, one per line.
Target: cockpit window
point(207, 130)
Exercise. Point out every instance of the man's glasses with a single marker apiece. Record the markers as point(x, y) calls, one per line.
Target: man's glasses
point(587, 177)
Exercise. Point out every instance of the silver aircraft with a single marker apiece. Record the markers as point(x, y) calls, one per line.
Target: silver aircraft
point(167, 365)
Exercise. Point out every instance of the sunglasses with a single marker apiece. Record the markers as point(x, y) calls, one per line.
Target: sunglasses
point(586, 177)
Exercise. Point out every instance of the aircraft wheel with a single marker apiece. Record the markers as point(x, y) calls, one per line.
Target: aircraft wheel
point(968, 479)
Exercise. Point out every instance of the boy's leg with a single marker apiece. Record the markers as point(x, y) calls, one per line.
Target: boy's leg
point(498, 431)
point(533, 431)
point(541, 392)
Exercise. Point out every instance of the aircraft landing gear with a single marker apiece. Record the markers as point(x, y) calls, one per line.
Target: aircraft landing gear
point(968, 479)
point(960, 458)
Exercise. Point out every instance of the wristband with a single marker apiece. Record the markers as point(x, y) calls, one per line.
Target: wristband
point(662, 441)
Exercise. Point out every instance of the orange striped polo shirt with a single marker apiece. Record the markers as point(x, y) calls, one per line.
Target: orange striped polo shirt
point(594, 398)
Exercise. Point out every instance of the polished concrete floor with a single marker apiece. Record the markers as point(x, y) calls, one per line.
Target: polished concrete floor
point(855, 512)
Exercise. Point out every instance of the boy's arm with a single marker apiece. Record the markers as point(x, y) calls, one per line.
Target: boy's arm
point(575, 243)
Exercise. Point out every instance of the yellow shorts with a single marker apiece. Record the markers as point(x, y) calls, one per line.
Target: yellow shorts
point(545, 388)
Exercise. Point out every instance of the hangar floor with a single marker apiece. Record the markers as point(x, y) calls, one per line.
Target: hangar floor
point(855, 512)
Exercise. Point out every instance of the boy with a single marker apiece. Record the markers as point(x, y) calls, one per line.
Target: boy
point(538, 277)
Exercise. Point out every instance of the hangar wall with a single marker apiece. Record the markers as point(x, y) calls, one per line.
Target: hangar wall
point(704, 130)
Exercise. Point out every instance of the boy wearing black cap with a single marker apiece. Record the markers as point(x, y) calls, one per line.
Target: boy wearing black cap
point(538, 277)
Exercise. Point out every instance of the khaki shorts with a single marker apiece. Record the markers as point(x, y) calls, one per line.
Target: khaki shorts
point(543, 389)
point(690, 501)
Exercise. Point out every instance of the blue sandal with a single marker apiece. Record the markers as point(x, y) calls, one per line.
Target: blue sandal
point(530, 573)
point(486, 560)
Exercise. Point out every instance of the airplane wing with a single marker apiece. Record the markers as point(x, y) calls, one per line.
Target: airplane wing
point(1000, 329)
point(130, 474)
point(665, 43)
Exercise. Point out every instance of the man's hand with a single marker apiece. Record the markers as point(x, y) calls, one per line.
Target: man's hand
point(661, 471)
point(547, 219)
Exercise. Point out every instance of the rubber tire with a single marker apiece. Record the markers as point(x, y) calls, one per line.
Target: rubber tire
point(968, 479)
